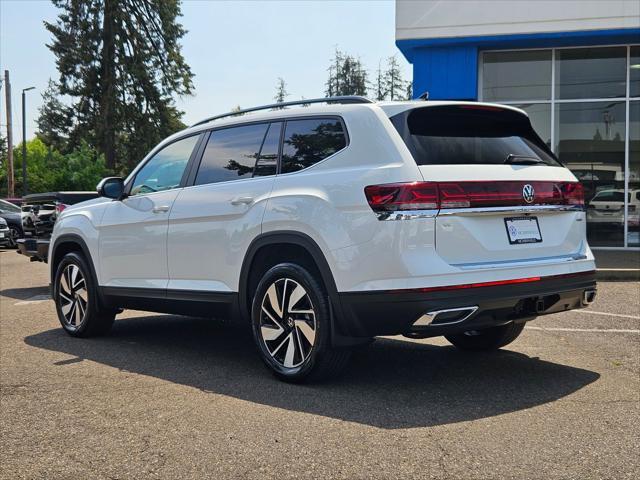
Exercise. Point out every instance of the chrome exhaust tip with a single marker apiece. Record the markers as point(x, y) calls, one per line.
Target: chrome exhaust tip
point(448, 316)
point(588, 297)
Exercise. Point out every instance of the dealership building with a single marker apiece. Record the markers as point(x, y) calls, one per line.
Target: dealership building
point(573, 66)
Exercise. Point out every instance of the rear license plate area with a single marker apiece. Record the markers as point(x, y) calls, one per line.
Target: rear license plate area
point(523, 230)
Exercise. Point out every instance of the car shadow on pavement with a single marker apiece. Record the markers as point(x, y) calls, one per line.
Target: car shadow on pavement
point(24, 293)
point(390, 384)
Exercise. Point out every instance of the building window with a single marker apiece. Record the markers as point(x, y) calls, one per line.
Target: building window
point(585, 104)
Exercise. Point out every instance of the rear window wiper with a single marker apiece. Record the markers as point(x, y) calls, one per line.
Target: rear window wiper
point(522, 160)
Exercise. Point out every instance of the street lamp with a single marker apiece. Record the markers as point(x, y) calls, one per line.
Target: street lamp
point(24, 142)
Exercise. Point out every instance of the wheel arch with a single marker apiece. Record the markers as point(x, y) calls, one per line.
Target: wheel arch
point(302, 243)
point(67, 243)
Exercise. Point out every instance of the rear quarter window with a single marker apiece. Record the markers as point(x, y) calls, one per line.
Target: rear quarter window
point(308, 141)
point(468, 134)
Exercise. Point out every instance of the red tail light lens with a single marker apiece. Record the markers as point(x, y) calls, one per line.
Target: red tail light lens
point(60, 207)
point(402, 196)
point(451, 195)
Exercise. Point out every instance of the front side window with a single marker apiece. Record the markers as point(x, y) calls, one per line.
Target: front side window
point(9, 207)
point(308, 141)
point(164, 171)
point(231, 153)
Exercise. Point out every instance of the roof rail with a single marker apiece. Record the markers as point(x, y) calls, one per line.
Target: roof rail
point(341, 99)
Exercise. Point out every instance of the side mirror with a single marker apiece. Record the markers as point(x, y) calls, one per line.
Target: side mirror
point(111, 187)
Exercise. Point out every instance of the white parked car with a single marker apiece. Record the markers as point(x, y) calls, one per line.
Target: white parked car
point(607, 208)
point(325, 225)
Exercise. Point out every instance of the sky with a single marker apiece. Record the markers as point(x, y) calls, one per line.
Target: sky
point(236, 49)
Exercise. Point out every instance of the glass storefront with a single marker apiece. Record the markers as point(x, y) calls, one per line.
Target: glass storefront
point(585, 103)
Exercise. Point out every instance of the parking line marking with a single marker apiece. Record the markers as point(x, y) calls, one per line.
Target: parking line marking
point(593, 312)
point(598, 330)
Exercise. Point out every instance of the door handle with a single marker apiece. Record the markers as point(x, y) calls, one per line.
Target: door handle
point(242, 201)
point(161, 209)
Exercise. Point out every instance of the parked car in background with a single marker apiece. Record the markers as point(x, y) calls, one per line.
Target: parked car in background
point(325, 226)
point(13, 217)
point(17, 201)
point(39, 214)
point(606, 208)
point(4, 233)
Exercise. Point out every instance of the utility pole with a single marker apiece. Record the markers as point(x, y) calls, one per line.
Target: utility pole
point(10, 179)
point(24, 142)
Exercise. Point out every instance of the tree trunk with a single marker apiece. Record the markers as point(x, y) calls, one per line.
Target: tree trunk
point(108, 98)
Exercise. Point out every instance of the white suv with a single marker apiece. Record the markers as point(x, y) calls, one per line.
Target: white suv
point(330, 223)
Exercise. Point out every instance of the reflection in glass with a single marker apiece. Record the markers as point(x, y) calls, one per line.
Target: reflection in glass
point(591, 72)
point(164, 171)
point(307, 142)
point(540, 117)
point(516, 75)
point(590, 141)
point(231, 153)
point(267, 164)
point(634, 72)
point(633, 236)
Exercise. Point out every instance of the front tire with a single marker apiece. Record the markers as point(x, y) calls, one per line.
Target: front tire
point(76, 296)
point(291, 326)
point(487, 339)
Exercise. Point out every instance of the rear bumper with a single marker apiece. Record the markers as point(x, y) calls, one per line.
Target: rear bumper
point(396, 312)
point(36, 249)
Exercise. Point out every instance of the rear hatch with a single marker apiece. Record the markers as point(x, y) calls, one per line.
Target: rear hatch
point(502, 196)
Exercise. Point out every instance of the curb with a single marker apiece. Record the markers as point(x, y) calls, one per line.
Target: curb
point(618, 274)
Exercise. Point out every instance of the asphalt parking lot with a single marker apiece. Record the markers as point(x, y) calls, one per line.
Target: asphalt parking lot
point(174, 397)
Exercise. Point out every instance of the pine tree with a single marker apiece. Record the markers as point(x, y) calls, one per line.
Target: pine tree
point(281, 91)
point(55, 120)
point(396, 86)
point(380, 92)
point(347, 76)
point(120, 63)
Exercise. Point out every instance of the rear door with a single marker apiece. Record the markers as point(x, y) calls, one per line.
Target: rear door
point(503, 195)
point(215, 218)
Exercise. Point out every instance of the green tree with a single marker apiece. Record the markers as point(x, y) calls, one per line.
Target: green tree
point(120, 63)
point(395, 85)
point(281, 91)
point(347, 76)
point(55, 119)
point(49, 170)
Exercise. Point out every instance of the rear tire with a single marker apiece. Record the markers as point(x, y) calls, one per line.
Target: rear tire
point(76, 296)
point(291, 326)
point(488, 339)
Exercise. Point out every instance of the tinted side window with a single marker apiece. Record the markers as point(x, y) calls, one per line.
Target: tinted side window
point(231, 153)
point(308, 141)
point(164, 170)
point(267, 163)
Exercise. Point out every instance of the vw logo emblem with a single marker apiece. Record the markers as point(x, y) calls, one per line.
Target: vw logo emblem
point(528, 193)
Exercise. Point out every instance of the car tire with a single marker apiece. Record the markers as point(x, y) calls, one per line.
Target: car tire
point(291, 326)
point(76, 297)
point(487, 339)
point(14, 235)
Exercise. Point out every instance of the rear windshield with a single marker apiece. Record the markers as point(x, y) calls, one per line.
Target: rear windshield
point(469, 134)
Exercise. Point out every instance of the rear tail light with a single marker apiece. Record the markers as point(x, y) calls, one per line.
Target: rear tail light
point(451, 195)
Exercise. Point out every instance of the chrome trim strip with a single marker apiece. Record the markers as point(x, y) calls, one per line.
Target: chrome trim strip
point(406, 214)
point(462, 212)
point(521, 262)
point(516, 210)
point(428, 318)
